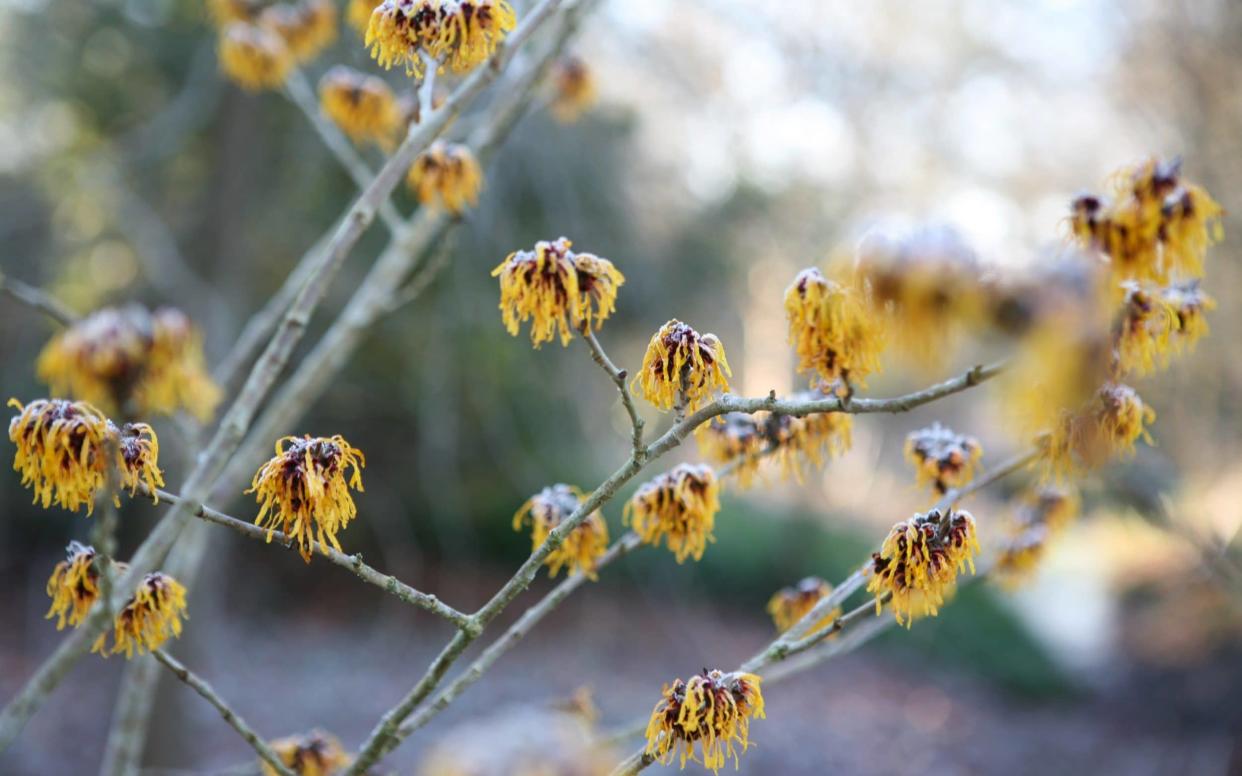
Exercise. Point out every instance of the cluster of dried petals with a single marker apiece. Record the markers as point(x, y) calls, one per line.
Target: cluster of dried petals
point(457, 34)
point(927, 285)
point(304, 490)
point(1152, 225)
point(582, 548)
point(1035, 523)
point(682, 368)
point(707, 716)
point(151, 617)
point(557, 290)
point(1105, 428)
point(678, 507)
point(790, 604)
point(835, 333)
point(446, 175)
point(362, 105)
point(942, 457)
point(307, 26)
point(316, 753)
point(574, 89)
point(63, 450)
point(132, 359)
point(73, 586)
point(919, 562)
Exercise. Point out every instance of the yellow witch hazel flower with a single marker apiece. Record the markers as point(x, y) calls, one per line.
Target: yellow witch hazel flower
point(307, 27)
point(1145, 328)
point(150, 618)
point(305, 492)
point(132, 359)
point(574, 89)
point(582, 548)
point(459, 34)
point(555, 288)
point(1190, 305)
point(790, 604)
point(358, 14)
point(918, 564)
point(814, 438)
point(446, 175)
point(1042, 516)
point(678, 506)
point(709, 716)
point(62, 449)
point(682, 368)
point(1152, 225)
point(361, 105)
point(834, 333)
point(254, 57)
point(928, 284)
point(1107, 427)
point(73, 586)
point(942, 458)
point(734, 438)
point(316, 753)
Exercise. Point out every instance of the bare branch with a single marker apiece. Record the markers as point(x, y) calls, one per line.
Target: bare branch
point(37, 300)
point(619, 378)
point(234, 720)
point(516, 632)
point(353, 562)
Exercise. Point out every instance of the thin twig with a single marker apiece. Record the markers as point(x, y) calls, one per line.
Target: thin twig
point(353, 563)
point(231, 717)
point(516, 632)
point(619, 378)
point(38, 300)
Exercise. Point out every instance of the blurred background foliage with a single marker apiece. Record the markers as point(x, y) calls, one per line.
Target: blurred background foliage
point(734, 144)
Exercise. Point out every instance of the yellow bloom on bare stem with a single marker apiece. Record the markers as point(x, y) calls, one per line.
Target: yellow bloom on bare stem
point(307, 27)
point(150, 618)
point(682, 369)
point(734, 438)
point(556, 289)
point(582, 548)
point(920, 560)
point(834, 332)
point(459, 34)
point(73, 586)
point(1190, 306)
point(358, 14)
point(1105, 428)
point(942, 458)
point(814, 438)
point(574, 86)
point(1040, 518)
point(304, 490)
point(678, 506)
point(254, 57)
point(311, 754)
point(791, 604)
point(130, 359)
point(709, 716)
point(1152, 225)
point(470, 30)
point(446, 175)
point(62, 449)
point(362, 105)
point(928, 285)
point(1145, 328)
